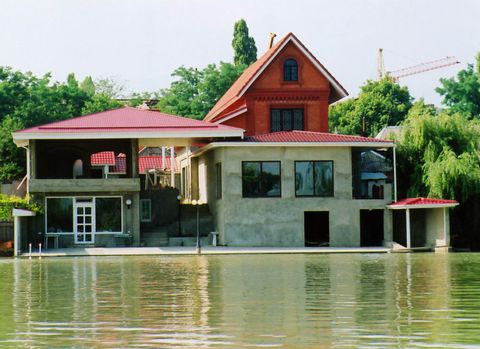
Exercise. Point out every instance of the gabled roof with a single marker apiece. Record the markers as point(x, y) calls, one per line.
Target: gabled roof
point(154, 162)
point(422, 203)
point(126, 122)
point(236, 91)
point(103, 158)
point(311, 137)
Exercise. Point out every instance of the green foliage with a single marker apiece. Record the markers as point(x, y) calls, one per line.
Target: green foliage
point(8, 202)
point(379, 104)
point(88, 86)
point(195, 92)
point(244, 49)
point(100, 102)
point(110, 87)
point(438, 156)
point(462, 94)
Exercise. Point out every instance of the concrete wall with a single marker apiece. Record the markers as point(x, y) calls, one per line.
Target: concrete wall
point(434, 227)
point(280, 221)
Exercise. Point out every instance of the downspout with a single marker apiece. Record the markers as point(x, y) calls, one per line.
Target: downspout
point(394, 174)
point(28, 170)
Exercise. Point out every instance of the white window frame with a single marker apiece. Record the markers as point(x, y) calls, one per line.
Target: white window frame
point(74, 198)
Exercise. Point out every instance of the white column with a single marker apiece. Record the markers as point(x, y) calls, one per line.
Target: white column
point(164, 164)
point(172, 167)
point(407, 214)
point(28, 170)
point(445, 226)
point(16, 236)
point(394, 175)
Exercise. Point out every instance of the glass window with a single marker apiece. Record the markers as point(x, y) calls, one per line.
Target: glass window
point(146, 210)
point(286, 119)
point(59, 215)
point(290, 70)
point(314, 178)
point(218, 182)
point(108, 214)
point(261, 179)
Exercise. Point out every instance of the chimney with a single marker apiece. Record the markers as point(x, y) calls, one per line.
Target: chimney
point(272, 37)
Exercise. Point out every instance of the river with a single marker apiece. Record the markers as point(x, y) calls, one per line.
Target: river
point(421, 300)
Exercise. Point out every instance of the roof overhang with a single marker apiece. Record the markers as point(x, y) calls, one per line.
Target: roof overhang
point(22, 138)
point(231, 115)
point(404, 207)
point(214, 145)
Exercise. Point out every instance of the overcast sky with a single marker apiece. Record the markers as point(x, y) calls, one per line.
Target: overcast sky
point(141, 42)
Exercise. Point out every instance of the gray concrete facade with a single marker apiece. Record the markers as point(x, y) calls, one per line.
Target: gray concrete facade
point(280, 221)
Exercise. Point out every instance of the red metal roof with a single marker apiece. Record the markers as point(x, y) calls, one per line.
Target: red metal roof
point(120, 165)
point(423, 201)
point(154, 162)
point(233, 94)
point(314, 137)
point(103, 158)
point(125, 119)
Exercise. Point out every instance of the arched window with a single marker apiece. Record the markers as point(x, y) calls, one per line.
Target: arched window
point(78, 168)
point(290, 70)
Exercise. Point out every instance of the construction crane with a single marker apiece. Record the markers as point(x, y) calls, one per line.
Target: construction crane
point(395, 75)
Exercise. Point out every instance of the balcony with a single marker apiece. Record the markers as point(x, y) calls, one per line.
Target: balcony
point(84, 185)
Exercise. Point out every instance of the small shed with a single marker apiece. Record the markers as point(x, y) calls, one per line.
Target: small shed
point(422, 222)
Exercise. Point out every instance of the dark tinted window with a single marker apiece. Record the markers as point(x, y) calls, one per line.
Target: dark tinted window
point(261, 179)
point(290, 70)
point(286, 119)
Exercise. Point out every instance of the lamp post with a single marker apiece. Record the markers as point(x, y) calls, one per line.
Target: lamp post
point(199, 247)
point(179, 198)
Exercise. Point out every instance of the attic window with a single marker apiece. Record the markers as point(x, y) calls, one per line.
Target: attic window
point(290, 70)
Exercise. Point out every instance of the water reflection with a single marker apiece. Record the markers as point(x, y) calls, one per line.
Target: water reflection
point(292, 301)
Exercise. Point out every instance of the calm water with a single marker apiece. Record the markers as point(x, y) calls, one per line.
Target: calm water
point(285, 301)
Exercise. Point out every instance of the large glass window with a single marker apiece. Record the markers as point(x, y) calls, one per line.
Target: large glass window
point(314, 178)
point(59, 215)
point(108, 214)
point(286, 119)
point(261, 179)
point(372, 173)
point(290, 70)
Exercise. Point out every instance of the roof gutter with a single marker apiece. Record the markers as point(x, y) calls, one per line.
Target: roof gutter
point(215, 145)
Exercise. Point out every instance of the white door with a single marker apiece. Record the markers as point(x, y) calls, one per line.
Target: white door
point(84, 219)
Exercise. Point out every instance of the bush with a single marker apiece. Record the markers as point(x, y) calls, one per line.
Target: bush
point(9, 202)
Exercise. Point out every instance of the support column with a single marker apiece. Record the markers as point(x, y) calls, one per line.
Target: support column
point(407, 214)
point(445, 225)
point(16, 236)
point(134, 155)
point(172, 167)
point(394, 175)
point(164, 164)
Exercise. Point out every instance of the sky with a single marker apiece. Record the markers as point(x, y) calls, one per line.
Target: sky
point(139, 43)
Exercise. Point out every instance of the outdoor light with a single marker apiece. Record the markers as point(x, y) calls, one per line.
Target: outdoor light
point(128, 202)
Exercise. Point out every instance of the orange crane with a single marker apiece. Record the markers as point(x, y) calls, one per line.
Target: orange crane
point(395, 75)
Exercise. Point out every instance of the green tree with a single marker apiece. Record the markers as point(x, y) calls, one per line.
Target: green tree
point(100, 102)
point(379, 104)
point(88, 85)
point(244, 49)
point(462, 94)
point(110, 87)
point(195, 92)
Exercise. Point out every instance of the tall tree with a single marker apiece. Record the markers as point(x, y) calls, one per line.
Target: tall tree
point(379, 104)
point(462, 94)
point(244, 49)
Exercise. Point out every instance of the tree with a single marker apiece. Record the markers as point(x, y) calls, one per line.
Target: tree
point(100, 102)
point(438, 156)
point(88, 85)
point(462, 94)
point(194, 92)
point(110, 87)
point(379, 104)
point(244, 49)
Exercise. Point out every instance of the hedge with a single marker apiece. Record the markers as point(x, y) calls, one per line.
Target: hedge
point(9, 202)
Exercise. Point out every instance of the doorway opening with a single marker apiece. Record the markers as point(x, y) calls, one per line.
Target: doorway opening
point(317, 229)
point(371, 227)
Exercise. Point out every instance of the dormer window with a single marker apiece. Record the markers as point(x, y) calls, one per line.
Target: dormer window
point(290, 70)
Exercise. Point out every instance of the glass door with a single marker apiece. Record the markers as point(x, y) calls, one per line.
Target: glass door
point(84, 222)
